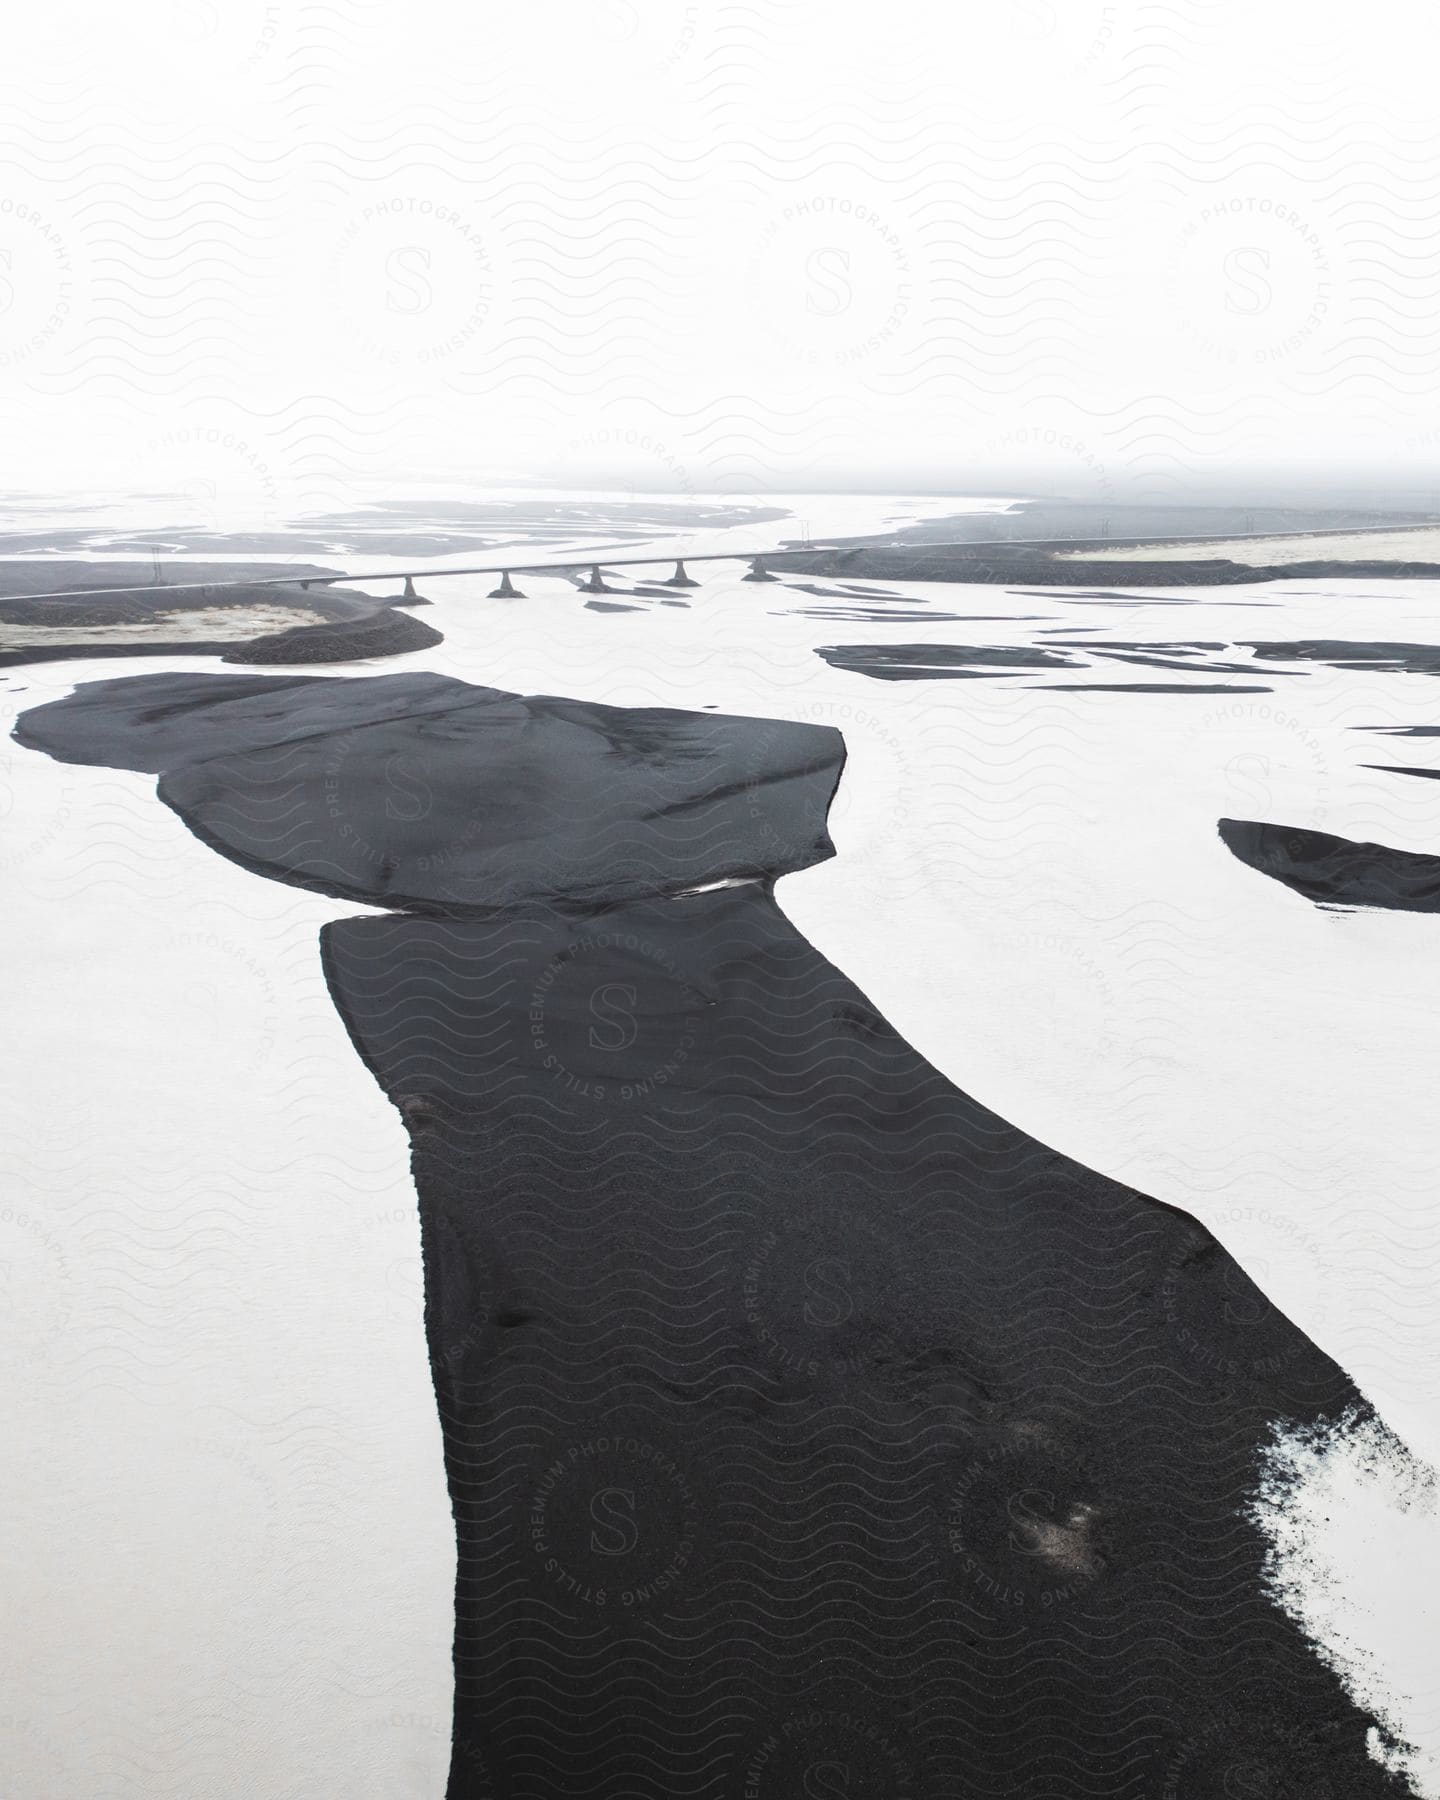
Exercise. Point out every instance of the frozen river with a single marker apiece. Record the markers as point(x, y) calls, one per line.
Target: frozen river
point(1029, 884)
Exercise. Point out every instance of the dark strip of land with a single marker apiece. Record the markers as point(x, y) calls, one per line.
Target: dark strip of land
point(809, 1427)
point(239, 624)
point(1336, 871)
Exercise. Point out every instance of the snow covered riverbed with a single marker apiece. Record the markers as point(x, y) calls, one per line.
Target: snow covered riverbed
point(1029, 884)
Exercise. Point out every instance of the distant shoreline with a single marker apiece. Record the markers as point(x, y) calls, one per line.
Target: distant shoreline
point(1067, 565)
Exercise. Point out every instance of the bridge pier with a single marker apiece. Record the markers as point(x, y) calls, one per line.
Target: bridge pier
point(758, 571)
point(596, 583)
point(506, 590)
point(410, 593)
point(680, 578)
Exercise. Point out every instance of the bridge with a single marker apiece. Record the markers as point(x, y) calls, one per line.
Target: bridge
point(595, 583)
point(506, 571)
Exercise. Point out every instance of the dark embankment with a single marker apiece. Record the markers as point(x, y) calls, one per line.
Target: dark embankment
point(1131, 522)
point(941, 662)
point(64, 574)
point(197, 616)
point(1029, 542)
point(809, 1428)
point(1336, 871)
point(376, 628)
point(1027, 566)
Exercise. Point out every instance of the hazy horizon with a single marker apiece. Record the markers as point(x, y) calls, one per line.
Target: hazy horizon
point(1104, 250)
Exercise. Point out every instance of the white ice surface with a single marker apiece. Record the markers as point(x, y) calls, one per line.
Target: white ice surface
point(1352, 1520)
point(220, 1323)
point(231, 1550)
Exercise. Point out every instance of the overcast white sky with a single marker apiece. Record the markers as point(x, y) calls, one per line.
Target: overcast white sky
point(275, 252)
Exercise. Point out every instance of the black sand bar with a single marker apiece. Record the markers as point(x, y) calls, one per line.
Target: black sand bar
point(810, 1430)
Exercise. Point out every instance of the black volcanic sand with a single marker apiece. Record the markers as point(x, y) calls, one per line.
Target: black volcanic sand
point(1149, 687)
point(356, 625)
point(886, 607)
point(1171, 656)
point(1122, 600)
point(1403, 769)
point(852, 590)
point(970, 662)
point(1014, 565)
point(1336, 871)
point(1341, 653)
point(486, 799)
point(809, 1428)
point(917, 615)
point(941, 662)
